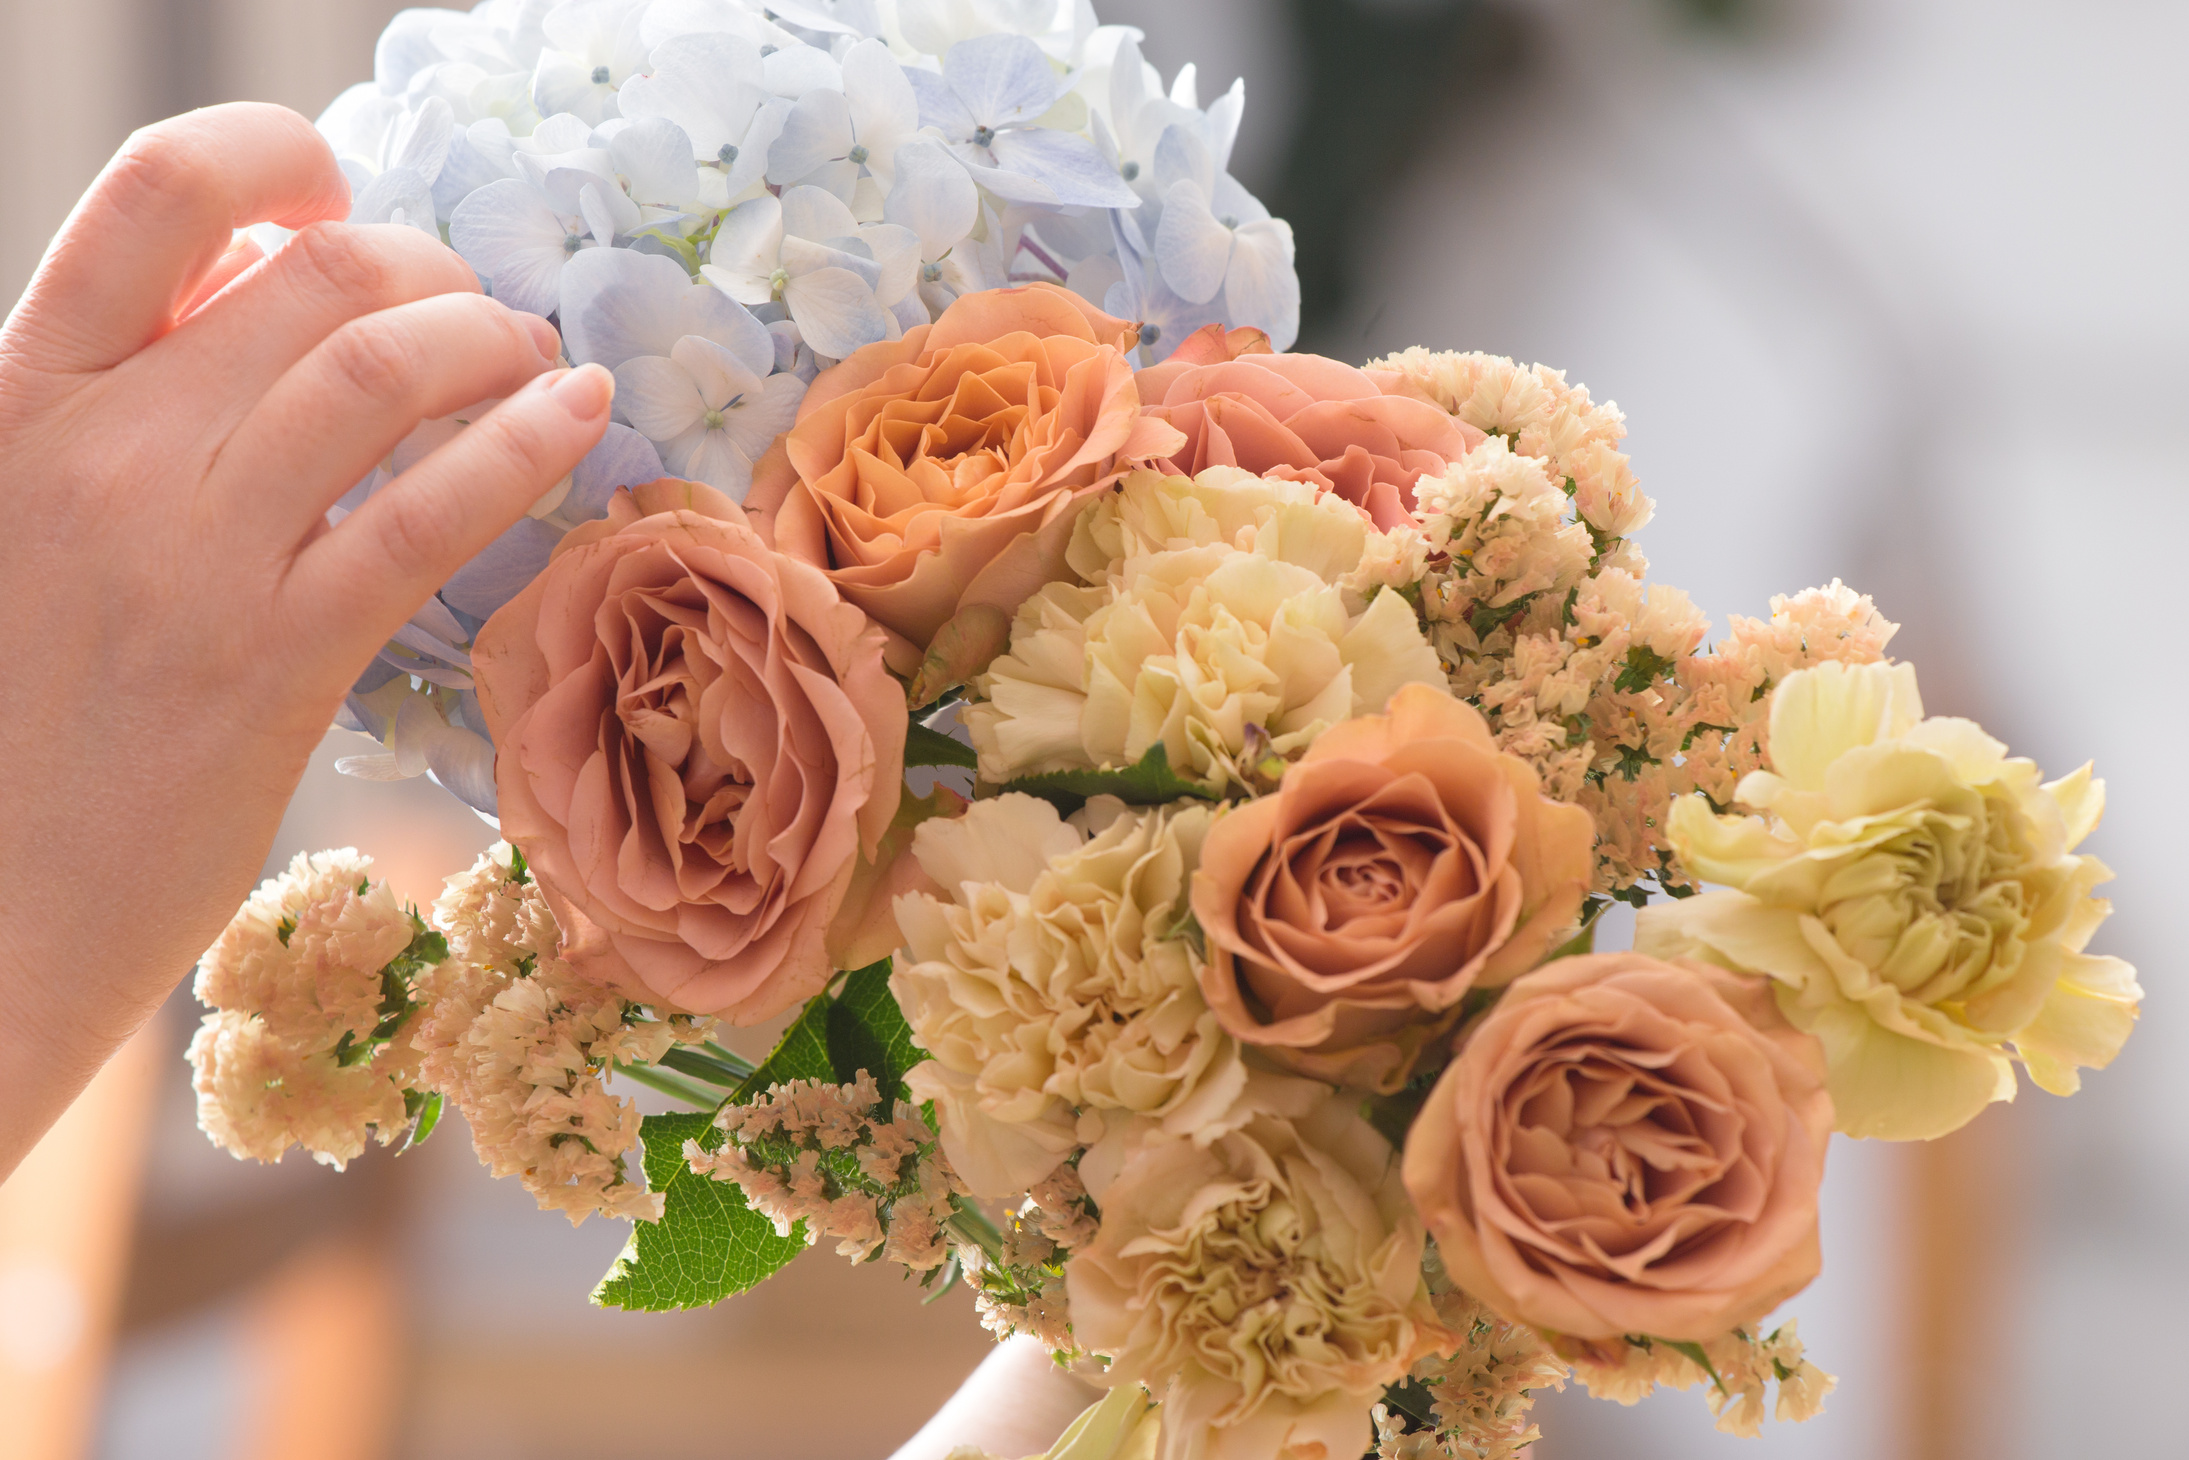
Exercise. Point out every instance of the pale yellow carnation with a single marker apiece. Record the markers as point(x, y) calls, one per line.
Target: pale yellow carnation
point(1915, 893)
point(1186, 649)
point(1266, 1285)
point(1055, 977)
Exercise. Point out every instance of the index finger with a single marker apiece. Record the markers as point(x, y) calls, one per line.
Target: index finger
point(158, 219)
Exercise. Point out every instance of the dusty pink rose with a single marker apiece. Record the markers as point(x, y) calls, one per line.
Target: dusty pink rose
point(1403, 861)
point(1627, 1146)
point(945, 469)
point(697, 740)
point(1304, 418)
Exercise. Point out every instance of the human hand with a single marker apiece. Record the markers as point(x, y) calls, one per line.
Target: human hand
point(176, 416)
point(1016, 1403)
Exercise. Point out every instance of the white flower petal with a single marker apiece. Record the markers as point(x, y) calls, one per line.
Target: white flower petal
point(796, 70)
point(658, 397)
point(940, 106)
point(618, 303)
point(1179, 154)
point(655, 158)
point(896, 251)
point(714, 459)
point(399, 195)
point(1191, 247)
point(507, 232)
point(624, 458)
point(764, 414)
point(1001, 79)
point(817, 130)
point(811, 213)
point(420, 141)
point(718, 375)
point(1261, 288)
point(933, 196)
point(1069, 166)
point(709, 84)
point(836, 311)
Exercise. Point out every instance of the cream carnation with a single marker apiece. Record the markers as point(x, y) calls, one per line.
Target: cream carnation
point(1266, 1285)
point(1916, 895)
point(304, 953)
point(1054, 977)
point(1187, 649)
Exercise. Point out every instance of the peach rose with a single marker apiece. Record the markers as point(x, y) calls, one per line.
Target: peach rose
point(696, 741)
point(1305, 418)
point(1403, 861)
point(942, 470)
point(1627, 1146)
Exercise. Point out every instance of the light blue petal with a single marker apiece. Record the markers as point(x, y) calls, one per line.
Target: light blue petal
point(1191, 247)
point(399, 195)
point(940, 106)
point(465, 170)
point(817, 215)
point(502, 569)
point(420, 141)
point(624, 458)
point(836, 312)
point(507, 232)
point(710, 85)
point(817, 130)
point(463, 762)
point(1261, 288)
point(714, 459)
point(658, 397)
point(933, 196)
point(1180, 155)
point(764, 414)
point(708, 312)
point(1001, 79)
point(618, 303)
point(655, 158)
point(1068, 165)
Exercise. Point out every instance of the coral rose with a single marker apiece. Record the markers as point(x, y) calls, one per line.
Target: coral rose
point(697, 739)
point(1627, 1146)
point(942, 470)
point(1403, 861)
point(1306, 418)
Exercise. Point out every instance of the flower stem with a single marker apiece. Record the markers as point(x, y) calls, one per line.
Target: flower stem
point(670, 1085)
point(728, 1073)
point(971, 1223)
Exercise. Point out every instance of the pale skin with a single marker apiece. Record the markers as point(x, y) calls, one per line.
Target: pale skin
point(176, 415)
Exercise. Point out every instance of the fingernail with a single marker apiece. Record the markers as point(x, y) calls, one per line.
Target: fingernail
point(583, 392)
point(544, 338)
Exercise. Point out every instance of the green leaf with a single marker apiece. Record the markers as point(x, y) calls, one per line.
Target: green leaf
point(1150, 783)
point(801, 1054)
point(1642, 668)
point(1693, 1352)
point(423, 1110)
point(923, 746)
point(708, 1244)
point(867, 1031)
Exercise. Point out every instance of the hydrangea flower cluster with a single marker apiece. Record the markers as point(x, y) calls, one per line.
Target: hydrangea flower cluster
point(718, 198)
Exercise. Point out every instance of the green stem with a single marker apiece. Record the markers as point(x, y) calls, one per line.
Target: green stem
point(706, 1068)
point(670, 1085)
point(972, 1224)
point(731, 1058)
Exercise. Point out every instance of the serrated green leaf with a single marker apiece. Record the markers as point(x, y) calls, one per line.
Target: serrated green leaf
point(708, 1244)
point(1150, 783)
point(923, 746)
point(867, 1031)
point(801, 1054)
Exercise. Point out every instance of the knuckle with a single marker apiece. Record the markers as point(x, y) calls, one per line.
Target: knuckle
point(377, 359)
point(414, 531)
point(346, 261)
point(525, 444)
point(164, 168)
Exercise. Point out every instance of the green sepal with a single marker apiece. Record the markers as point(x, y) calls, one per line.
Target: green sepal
point(1150, 783)
point(708, 1244)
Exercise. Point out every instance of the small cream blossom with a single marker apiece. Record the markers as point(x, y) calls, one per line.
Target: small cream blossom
point(258, 1095)
point(521, 1045)
point(304, 953)
point(1055, 977)
point(1266, 1285)
point(1916, 895)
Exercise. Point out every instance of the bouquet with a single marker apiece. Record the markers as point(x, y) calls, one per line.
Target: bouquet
point(1171, 783)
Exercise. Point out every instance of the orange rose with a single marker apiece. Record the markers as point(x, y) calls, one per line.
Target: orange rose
point(1304, 418)
point(696, 740)
point(1404, 861)
point(1627, 1146)
point(943, 470)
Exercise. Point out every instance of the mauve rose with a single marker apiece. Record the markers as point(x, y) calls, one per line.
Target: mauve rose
point(1627, 1146)
point(1403, 861)
point(1305, 418)
point(697, 740)
point(944, 469)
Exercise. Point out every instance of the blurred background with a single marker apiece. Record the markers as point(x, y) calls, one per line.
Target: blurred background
point(1890, 290)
